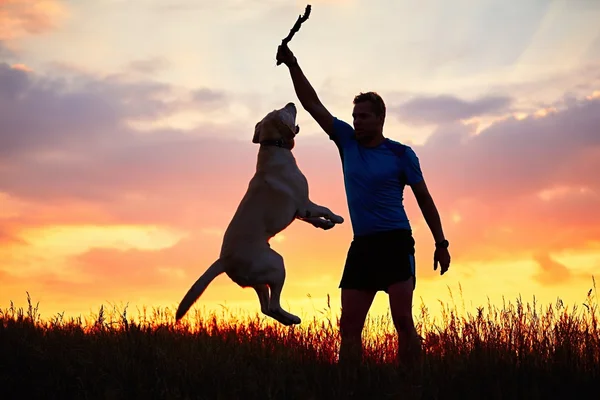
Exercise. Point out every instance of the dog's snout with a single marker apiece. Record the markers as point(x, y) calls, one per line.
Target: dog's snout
point(291, 105)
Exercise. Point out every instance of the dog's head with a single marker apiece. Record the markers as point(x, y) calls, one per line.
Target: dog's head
point(278, 127)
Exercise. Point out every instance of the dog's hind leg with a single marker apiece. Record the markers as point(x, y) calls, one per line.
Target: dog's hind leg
point(271, 271)
point(262, 290)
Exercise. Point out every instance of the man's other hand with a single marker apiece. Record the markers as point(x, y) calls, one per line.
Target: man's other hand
point(441, 257)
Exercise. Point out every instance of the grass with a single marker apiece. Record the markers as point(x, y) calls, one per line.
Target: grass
point(517, 351)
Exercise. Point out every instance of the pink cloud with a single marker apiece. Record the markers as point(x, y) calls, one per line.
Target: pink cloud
point(29, 17)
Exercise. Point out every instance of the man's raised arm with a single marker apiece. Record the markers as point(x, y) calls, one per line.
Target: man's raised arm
point(304, 90)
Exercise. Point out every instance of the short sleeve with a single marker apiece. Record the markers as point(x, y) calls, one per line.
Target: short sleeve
point(342, 133)
point(412, 167)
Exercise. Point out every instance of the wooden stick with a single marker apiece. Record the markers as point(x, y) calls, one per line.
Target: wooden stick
point(296, 27)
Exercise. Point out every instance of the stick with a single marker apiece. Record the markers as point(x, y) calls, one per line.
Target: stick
point(296, 27)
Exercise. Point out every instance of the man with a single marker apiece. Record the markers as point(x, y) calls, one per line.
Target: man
point(381, 255)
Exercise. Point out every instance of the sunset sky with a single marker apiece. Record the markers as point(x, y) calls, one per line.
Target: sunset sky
point(126, 127)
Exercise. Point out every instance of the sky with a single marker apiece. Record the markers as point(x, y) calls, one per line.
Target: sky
point(126, 127)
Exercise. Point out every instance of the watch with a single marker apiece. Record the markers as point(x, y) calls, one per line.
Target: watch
point(442, 245)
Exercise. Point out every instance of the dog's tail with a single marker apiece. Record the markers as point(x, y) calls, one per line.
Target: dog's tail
point(198, 288)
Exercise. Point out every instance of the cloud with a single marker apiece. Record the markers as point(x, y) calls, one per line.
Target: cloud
point(79, 150)
point(149, 65)
point(74, 115)
point(207, 95)
point(6, 53)
point(519, 187)
point(551, 272)
point(7, 238)
point(29, 17)
point(514, 157)
point(445, 109)
point(106, 271)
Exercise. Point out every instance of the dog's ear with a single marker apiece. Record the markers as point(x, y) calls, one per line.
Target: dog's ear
point(256, 137)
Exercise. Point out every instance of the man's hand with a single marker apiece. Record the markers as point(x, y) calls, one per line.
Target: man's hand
point(441, 256)
point(285, 55)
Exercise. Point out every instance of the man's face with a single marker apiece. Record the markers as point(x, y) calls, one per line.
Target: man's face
point(366, 124)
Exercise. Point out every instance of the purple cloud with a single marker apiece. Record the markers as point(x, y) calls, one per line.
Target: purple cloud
point(513, 157)
point(5, 52)
point(42, 114)
point(444, 109)
point(519, 186)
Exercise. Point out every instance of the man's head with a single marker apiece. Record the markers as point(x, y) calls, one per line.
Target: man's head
point(278, 125)
point(368, 116)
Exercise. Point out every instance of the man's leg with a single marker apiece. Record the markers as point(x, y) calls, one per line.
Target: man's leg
point(409, 342)
point(355, 307)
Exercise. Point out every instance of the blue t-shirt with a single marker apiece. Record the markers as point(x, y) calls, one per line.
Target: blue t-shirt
point(375, 178)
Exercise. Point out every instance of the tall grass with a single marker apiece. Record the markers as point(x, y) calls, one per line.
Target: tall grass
point(514, 351)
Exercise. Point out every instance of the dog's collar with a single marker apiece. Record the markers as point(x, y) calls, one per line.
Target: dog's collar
point(273, 142)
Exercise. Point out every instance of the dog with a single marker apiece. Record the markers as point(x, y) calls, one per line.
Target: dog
point(276, 196)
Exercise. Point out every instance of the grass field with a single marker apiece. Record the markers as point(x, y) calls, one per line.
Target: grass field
point(516, 351)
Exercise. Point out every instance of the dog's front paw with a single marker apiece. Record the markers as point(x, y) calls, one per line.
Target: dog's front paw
point(336, 219)
point(326, 225)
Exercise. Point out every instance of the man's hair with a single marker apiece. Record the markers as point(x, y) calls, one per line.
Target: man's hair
point(377, 104)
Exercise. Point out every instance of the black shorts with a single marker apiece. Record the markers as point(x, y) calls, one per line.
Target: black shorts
point(376, 261)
